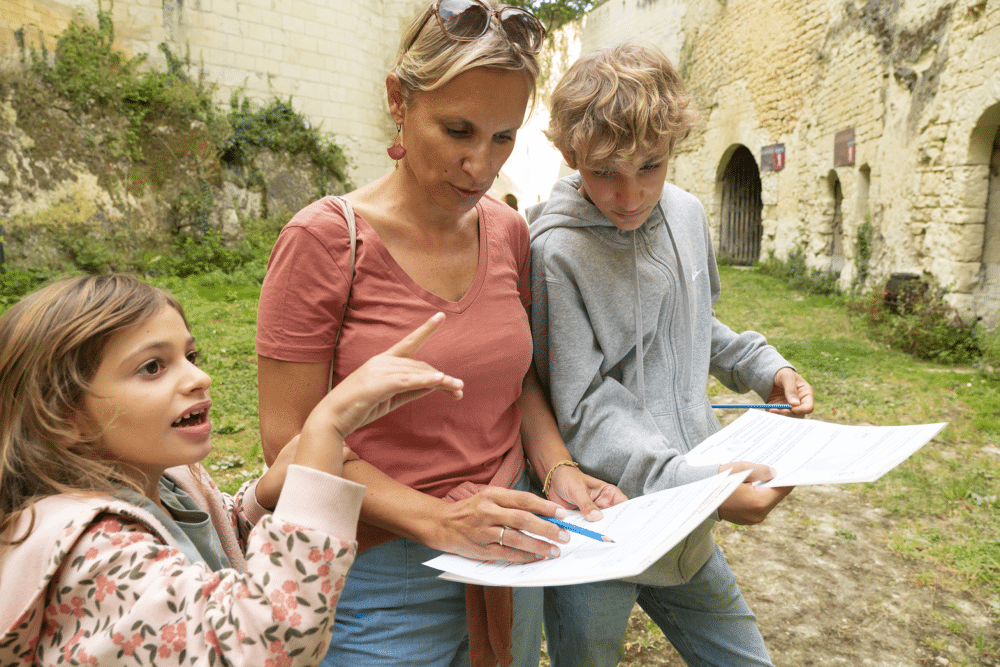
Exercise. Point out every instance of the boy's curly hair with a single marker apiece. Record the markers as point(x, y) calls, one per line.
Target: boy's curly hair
point(618, 103)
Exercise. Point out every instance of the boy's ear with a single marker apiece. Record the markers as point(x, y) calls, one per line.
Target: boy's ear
point(568, 157)
point(394, 93)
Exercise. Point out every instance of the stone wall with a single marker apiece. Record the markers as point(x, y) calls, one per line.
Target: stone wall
point(329, 56)
point(918, 80)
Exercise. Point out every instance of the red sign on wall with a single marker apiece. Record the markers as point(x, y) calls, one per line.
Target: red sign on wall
point(843, 148)
point(772, 158)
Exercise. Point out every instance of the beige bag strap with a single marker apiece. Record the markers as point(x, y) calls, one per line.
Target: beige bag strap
point(353, 229)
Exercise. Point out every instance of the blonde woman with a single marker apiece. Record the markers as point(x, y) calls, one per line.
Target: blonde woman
point(445, 477)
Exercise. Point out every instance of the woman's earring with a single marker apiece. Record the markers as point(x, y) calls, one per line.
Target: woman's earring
point(396, 151)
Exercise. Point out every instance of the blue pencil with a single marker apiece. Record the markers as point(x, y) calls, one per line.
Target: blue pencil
point(576, 529)
point(755, 406)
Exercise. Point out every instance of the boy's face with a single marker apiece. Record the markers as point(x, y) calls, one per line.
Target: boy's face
point(624, 192)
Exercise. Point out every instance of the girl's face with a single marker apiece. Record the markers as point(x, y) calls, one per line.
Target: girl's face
point(457, 137)
point(149, 401)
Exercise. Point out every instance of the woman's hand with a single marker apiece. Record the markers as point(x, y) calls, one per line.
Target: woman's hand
point(501, 524)
point(569, 487)
point(495, 524)
point(751, 504)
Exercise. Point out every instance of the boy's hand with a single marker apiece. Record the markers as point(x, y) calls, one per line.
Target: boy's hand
point(751, 504)
point(573, 489)
point(790, 387)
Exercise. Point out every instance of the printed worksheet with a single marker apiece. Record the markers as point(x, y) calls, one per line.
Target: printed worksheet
point(643, 529)
point(807, 451)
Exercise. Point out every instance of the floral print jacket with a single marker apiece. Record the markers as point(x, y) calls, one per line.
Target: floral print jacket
point(100, 581)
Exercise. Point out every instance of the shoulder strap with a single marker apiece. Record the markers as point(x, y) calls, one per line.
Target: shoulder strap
point(353, 229)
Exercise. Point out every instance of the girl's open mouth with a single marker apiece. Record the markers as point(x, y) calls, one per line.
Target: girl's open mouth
point(192, 418)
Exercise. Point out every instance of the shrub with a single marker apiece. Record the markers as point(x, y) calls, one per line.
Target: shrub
point(989, 360)
point(205, 254)
point(117, 103)
point(281, 129)
point(724, 260)
point(922, 324)
point(797, 275)
point(15, 282)
point(93, 77)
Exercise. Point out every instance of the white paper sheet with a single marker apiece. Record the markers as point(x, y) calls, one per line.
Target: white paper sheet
point(643, 529)
point(807, 451)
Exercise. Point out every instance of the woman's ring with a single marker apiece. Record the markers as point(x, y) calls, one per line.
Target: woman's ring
point(503, 528)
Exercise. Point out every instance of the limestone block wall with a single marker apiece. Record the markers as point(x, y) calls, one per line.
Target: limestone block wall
point(917, 80)
point(329, 56)
point(38, 22)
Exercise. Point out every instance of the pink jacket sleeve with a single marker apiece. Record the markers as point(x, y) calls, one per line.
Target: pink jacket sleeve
point(124, 595)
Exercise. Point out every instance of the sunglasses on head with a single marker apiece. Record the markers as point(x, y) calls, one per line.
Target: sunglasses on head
point(468, 20)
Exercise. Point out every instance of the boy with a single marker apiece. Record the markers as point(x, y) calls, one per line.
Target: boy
point(623, 285)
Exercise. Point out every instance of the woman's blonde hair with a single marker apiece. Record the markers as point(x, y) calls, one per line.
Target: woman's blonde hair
point(428, 58)
point(619, 103)
point(51, 345)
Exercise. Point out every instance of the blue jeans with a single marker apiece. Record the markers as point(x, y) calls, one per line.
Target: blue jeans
point(706, 619)
point(395, 611)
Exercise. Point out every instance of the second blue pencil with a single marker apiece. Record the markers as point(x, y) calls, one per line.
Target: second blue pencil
point(754, 406)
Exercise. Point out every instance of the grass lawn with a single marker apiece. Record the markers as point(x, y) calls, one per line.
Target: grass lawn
point(947, 493)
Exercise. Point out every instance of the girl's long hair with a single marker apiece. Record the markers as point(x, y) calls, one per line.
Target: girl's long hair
point(51, 345)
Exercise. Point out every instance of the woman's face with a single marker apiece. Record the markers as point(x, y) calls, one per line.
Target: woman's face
point(458, 136)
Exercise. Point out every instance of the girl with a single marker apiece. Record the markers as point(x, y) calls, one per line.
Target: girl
point(117, 546)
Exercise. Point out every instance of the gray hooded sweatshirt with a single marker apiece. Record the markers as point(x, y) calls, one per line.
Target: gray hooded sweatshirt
point(625, 337)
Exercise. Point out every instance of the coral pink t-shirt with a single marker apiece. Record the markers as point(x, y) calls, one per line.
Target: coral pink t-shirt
point(432, 444)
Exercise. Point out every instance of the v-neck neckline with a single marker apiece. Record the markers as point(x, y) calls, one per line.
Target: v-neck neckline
point(433, 299)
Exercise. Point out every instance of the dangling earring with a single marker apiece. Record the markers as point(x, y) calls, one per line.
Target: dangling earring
point(397, 152)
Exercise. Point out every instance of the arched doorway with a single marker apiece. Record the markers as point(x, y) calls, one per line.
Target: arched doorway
point(836, 244)
point(988, 291)
point(740, 232)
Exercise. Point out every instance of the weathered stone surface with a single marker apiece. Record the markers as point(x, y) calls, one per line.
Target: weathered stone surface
point(918, 80)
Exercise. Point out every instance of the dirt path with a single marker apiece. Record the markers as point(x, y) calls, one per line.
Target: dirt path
point(828, 591)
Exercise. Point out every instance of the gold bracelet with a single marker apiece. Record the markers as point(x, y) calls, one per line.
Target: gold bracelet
point(548, 478)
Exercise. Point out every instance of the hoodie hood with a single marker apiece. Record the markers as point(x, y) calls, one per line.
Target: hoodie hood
point(567, 208)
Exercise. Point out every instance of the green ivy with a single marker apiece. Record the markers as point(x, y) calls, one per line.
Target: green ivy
point(862, 254)
point(554, 15)
point(94, 78)
point(280, 128)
